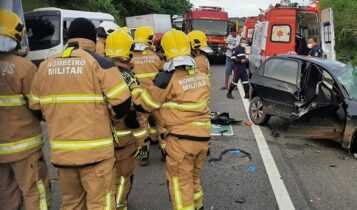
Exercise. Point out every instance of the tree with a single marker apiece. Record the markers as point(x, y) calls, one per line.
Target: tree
point(118, 8)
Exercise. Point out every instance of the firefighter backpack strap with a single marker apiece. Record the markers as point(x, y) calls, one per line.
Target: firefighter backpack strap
point(67, 52)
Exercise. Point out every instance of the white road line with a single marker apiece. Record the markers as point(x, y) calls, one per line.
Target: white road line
point(281, 193)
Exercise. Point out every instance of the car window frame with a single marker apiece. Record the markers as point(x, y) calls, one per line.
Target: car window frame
point(298, 75)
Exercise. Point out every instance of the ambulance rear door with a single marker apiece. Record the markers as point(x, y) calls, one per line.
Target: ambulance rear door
point(259, 45)
point(328, 34)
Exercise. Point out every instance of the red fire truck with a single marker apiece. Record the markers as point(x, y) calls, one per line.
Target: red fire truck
point(285, 28)
point(211, 20)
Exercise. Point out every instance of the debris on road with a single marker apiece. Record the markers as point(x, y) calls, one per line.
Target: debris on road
point(230, 151)
point(248, 123)
point(252, 168)
point(234, 152)
point(275, 133)
point(241, 199)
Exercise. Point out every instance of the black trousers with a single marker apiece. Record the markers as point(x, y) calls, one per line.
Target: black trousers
point(240, 73)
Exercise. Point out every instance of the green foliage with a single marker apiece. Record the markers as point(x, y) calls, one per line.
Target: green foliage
point(345, 12)
point(118, 8)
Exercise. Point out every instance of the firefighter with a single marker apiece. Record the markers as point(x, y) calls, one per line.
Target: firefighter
point(74, 89)
point(240, 72)
point(105, 28)
point(315, 49)
point(130, 135)
point(199, 51)
point(23, 171)
point(181, 93)
point(147, 64)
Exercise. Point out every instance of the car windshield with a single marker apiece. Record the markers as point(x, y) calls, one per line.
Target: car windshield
point(43, 31)
point(211, 27)
point(347, 76)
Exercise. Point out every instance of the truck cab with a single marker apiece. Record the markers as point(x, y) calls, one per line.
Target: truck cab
point(213, 21)
point(286, 28)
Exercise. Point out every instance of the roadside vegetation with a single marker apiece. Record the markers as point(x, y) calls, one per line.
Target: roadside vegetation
point(118, 8)
point(345, 12)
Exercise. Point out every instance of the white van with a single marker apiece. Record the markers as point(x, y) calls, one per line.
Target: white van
point(47, 29)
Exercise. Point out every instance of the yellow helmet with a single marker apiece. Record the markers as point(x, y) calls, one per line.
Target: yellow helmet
point(125, 29)
point(198, 40)
point(11, 25)
point(118, 44)
point(175, 43)
point(144, 35)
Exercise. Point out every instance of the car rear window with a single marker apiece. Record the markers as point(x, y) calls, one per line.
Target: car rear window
point(283, 70)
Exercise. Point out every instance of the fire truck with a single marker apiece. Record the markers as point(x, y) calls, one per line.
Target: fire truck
point(211, 20)
point(285, 28)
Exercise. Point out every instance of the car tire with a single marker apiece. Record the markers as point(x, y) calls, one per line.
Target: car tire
point(256, 112)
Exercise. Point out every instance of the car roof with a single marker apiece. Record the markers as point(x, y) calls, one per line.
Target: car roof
point(330, 65)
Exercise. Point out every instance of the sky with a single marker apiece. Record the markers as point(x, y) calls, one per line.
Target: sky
point(240, 8)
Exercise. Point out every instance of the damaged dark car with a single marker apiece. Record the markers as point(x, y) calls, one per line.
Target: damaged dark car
point(295, 87)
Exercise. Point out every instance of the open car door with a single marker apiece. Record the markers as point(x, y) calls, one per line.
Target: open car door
point(328, 34)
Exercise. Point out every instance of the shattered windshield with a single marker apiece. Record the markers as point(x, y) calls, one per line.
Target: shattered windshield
point(347, 76)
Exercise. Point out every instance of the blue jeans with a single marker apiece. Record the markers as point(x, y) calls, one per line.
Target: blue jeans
point(229, 66)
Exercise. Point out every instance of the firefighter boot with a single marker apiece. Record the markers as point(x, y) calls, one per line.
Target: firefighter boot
point(229, 94)
point(145, 160)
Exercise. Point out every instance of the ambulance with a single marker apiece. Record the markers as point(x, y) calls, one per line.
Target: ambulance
point(248, 28)
point(286, 28)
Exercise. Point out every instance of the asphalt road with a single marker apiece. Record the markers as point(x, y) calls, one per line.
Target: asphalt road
point(318, 174)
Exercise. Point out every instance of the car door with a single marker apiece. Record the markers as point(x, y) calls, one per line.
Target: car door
point(278, 86)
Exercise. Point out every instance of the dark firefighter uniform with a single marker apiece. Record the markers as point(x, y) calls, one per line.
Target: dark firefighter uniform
point(316, 51)
point(74, 90)
point(23, 171)
point(240, 71)
point(181, 94)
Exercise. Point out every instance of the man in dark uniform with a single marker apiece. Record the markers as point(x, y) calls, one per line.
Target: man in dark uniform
point(240, 71)
point(315, 49)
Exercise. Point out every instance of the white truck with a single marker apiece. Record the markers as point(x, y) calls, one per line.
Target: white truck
point(161, 23)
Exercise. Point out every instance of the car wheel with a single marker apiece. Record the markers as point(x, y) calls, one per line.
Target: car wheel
point(256, 112)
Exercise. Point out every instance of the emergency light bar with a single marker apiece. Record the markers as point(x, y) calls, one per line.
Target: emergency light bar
point(313, 5)
point(211, 8)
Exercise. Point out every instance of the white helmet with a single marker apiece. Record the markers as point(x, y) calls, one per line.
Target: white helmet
point(109, 27)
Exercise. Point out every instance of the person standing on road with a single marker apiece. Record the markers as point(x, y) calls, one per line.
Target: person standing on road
point(232, 42)
point(240, 69)
point(23, 171)
point(181, 93)
point(147, 64)
point(199, 51)
point(74, 90)
point(315, 49)
point(105, 28)
point(129, 133)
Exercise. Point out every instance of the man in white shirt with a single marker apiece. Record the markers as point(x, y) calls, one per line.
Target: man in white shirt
point(232, 42)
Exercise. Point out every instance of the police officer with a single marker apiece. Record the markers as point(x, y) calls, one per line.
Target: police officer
point(240, 69)
point(105, 28)
point(74, 90)
point(147, 64)
point(315, 49)
point(199, 51)
point(23, 171)
point(181, 93)
point(130, 135)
